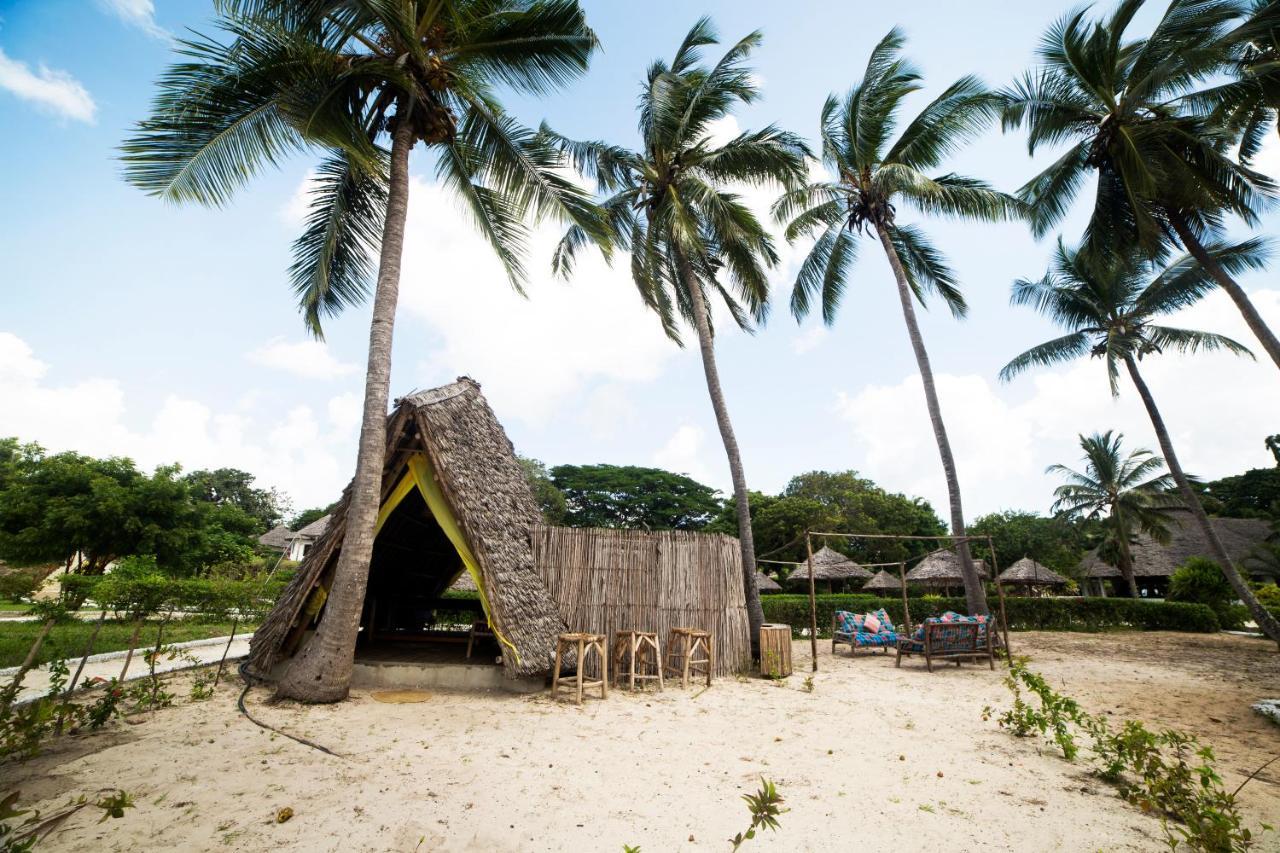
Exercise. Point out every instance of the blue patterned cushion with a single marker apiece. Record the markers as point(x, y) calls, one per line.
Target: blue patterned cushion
point(849, 623)
point(886, 624)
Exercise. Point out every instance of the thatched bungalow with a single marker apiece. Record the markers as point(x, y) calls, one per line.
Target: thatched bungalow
point(831, 570)
point(941, 570)
point(764, 583)
point(277, 538)
point(455, 502)
point(1154, 563)
point(882, 581)
point(1030, 576)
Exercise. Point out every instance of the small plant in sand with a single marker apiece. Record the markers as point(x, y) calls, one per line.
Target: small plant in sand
point(808, 684)
point(765, 806)
point(22, 829)
point(1169, 773)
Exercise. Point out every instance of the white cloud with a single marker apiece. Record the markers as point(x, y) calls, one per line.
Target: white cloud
point(1217, 407)
point(685, 452)
point(137, 13)
point(307, 359)
point(294, 211)
point(809, 339)
point(531, 355)
point(51, 90)
point(290, 449)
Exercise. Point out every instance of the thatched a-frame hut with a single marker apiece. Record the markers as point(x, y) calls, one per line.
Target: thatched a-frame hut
point(830, 568)
point(277, 538)
point(942, 569)
point(882, 581)
point(1027, 572)
point(764, 583)
point(1154, 563)
point(455, 502)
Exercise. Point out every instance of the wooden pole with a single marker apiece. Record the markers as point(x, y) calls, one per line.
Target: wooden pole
point(235, 623)
point(813, 606)
point(1004, 619)
point(906, 610)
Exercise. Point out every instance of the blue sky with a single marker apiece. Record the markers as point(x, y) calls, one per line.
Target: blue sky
point(131, 327)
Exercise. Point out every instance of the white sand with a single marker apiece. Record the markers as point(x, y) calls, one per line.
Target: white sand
point(873, 757)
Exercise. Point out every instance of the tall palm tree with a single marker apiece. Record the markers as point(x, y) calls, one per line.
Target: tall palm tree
point(690, 238)
point(1246, 104)
point(339, 78)
point(1127, 489)
point(873, 174)
point(1129, 111)
point(1111, 307)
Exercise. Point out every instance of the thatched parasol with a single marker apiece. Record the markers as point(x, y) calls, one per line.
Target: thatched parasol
point(828, 566)
point(883, 582)
point(942, 568)
point(1027, 572)
point(764, 583)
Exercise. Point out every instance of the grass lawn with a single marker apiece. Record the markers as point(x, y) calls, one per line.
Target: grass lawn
point(9, 605)
point(68, 640)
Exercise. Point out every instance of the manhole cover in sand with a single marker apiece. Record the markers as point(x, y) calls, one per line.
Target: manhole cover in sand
point(401, 697)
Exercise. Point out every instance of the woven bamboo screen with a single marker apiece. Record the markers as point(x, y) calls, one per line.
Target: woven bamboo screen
point(618, 580)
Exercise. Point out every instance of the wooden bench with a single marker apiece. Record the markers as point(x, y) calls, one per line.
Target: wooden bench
point(957, 641)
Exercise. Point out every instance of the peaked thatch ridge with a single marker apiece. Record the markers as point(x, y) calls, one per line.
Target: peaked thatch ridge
point(485, 487)
point(315, 529)
point(942, 568)
point(764, 583)
point(828, 565)
point(277, 537)
point(883, 580)
point(1240, 536)
point(1030, 573)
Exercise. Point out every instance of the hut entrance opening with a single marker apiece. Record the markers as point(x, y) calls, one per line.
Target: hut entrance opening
point(408, 616)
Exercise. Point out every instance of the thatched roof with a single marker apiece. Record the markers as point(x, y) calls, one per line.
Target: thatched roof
point(489, 497)
point(764, 583)
point(315, 529)
point(883, 581)
point(1240, 536)
point(942, 568)
point(464, 583)
point(277, 537)
point(828, 565)
point(1030, 573)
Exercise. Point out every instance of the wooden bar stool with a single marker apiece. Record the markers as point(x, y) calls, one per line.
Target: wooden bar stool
point(638, 652)
point(584, 643)
point(683, 648)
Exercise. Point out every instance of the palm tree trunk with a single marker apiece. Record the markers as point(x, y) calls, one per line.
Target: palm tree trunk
point(1251, 316)
point(321, 671)
point(974, 595)
point(1265, 620)
point(1126, 555)
point(706, 344)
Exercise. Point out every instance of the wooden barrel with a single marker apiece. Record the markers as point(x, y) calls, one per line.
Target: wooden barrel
point(775, 650)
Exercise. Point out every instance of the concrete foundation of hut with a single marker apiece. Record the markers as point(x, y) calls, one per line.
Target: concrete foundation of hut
point(430, 667)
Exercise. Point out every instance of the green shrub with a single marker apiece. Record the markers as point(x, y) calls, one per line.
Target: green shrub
point(1269, 596)
point(1025, 614)
point(1200, 580)
point(18, 585)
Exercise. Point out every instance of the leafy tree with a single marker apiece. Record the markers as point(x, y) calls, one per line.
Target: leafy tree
point(1253, 494)
point(840, 501)
point(341, 78)
point(1273, 444)
point(874, 174)
point(690, 239)
point(631, 497)
point(1111, 310)
point(1053, 541)
point(233, 487)
point(550, 499)
point(1200, 580)
point(1129, 490)
point(307, 516)
point(1131, 114)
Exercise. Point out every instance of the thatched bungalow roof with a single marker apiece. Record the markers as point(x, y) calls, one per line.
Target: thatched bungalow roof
point(942, 568)
point(828, 565)
point(487, 495)
point(883, 581)
point(1240, 536)
point(764, 583)
point(277, 538)
point(1028, 572)
point(315, 529)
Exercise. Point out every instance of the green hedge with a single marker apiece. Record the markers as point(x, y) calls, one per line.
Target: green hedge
point(1025, 614)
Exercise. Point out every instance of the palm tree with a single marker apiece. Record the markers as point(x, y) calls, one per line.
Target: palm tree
point(1246, 103)
point(873, 175)
point(338, 78)
point(691, 239)
point(1111, 308)
point(1164, 174)
point(1124, 488)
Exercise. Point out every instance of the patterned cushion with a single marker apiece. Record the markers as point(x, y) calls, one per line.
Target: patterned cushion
point(871, 623)
point(849, 623)
point(884, 638)
point(886, 624)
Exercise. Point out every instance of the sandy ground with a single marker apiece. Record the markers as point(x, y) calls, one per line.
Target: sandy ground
point(891, 758)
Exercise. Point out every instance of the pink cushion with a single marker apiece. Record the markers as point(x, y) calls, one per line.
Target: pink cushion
point(871, 624)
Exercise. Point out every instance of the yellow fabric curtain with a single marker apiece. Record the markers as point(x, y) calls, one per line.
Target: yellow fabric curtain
point(419, 474)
